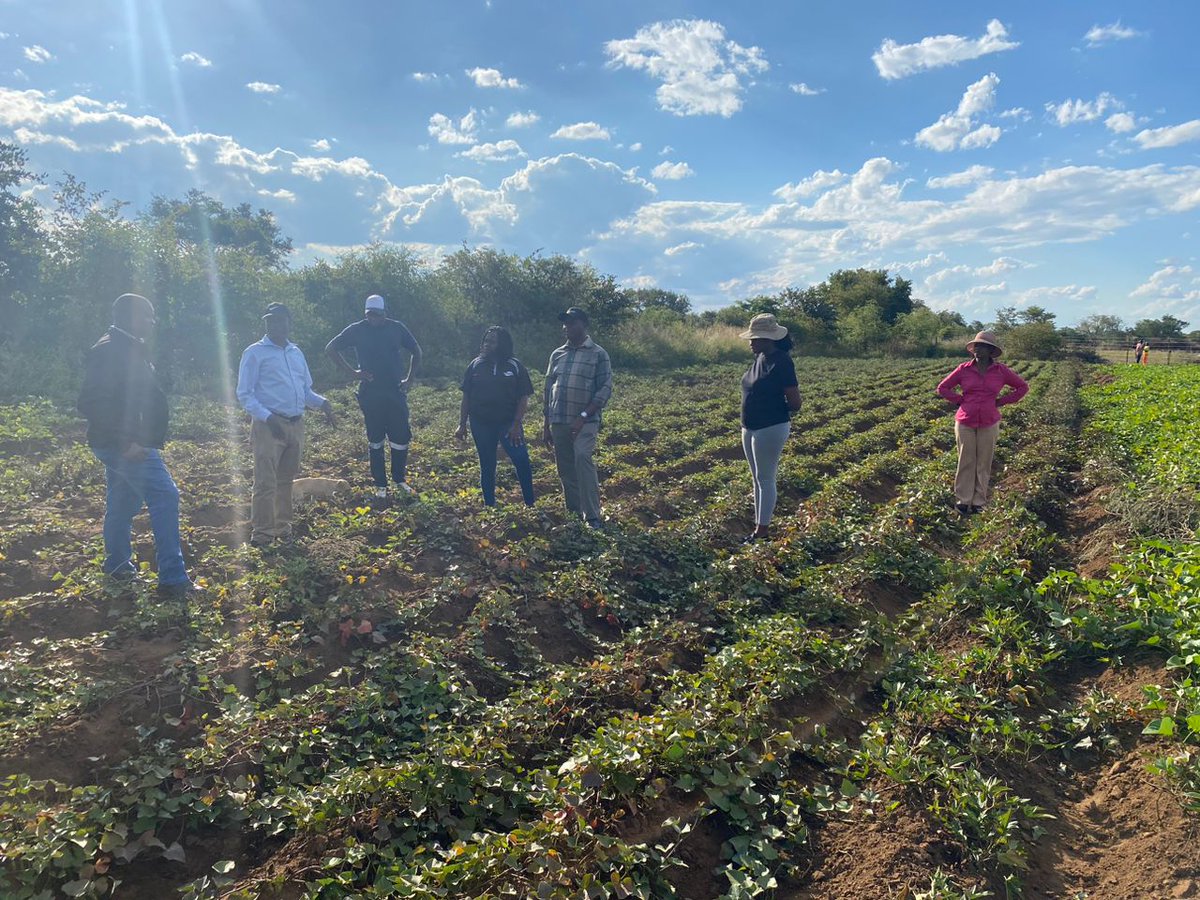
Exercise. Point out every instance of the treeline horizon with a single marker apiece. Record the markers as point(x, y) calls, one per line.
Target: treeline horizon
point(212, 269)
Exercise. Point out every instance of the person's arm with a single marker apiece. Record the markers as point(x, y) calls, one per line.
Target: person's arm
point(547, 436)
point(464, 408)
point(603, 384)
point(334, 349)
point(1018, 388)
point(947, 387)
point(312, 399)
point(791, 385)
point(516, 434)
point(100, 402)
point(414, 361)
point(247, 379)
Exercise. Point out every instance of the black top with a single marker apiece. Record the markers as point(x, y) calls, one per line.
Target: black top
point(763, 402)
point(120, 396)
point(493, 389)
point(378, 348)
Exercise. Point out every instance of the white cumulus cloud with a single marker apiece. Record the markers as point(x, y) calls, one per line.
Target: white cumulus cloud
point(669, 171)
point(1173, 289)
point(501, 151)
point(820, 180)
point(522, 119)
point(804, 90)
point(682, 248)
point(492, 78)
point(959, 130)
point(1170, 136)
point(970, 175)
point(1069, 112)
point(263, 87)
point(321, 145)
point(425, 77)
point(38, 54)
point(195, 59)
point(1103, 34)
point(447, 131)
point(582, 131)
point(1119, 123)
point(895, 60)
point(282, 194)
point(699, 70)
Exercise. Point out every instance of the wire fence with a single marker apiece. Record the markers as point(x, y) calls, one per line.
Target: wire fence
point(1165, 352)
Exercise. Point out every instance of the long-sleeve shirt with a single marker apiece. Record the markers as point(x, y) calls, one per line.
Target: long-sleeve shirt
point(274, 379)
point(980, 399)
point(120, 396)
point(576, 378)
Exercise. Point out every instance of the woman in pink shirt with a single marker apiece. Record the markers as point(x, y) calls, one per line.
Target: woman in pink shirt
point(975, 388)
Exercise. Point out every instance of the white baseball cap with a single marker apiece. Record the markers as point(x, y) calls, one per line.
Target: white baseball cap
point(375, 302)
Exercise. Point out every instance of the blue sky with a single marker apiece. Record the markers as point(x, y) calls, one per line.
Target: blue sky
point(1033, 153)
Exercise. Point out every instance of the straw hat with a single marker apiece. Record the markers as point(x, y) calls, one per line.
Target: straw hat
point(764, 325)
point(986, 337)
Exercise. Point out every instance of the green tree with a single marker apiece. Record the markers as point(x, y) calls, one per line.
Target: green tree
point(848, 290)
point(1165, 328)
point(1101, 326)
point(201, 220)
point(1036, 340)
point(920, 329)
point(21, 238)
point(863, 329)
point(1035, 315)
point(643, 299)
point(1006, 318)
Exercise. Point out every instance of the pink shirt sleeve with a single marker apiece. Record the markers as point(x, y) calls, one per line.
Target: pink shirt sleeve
point(947, 387)
point(1018, 386)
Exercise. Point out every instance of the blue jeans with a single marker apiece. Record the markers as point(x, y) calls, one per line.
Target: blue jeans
point(487, 437)
point(132, 485)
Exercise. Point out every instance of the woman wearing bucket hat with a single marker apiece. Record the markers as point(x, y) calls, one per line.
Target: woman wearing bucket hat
point(770, 394)
point(975, 388)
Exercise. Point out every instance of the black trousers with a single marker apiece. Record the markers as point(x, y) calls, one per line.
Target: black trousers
point(385, 413)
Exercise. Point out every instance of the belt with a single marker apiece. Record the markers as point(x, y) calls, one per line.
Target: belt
point(289, 418)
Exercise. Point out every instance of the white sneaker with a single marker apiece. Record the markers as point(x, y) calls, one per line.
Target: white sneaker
point(381, 493)
point(406, 488)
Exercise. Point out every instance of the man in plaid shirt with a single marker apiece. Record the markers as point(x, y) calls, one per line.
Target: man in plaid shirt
point(578, 385)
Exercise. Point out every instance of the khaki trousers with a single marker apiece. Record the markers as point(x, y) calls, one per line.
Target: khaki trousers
point(576, 464)
point(276, 463)
point(976, 448)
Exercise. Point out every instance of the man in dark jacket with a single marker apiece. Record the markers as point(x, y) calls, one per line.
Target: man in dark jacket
point(127, 416)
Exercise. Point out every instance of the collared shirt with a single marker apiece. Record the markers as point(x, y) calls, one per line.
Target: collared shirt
point(980, 400)
point(274, 379)
point(494, 389)
point(575, 378)
point(764, 401)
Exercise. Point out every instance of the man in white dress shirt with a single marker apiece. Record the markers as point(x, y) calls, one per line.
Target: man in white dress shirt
point(275, 387)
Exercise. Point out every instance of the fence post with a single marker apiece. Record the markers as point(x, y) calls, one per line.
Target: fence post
point(1168, 356)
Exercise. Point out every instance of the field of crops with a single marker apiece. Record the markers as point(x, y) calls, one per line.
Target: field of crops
point(432, 699)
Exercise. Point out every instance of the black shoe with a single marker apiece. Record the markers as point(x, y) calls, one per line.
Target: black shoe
point(976, 510)
point(963, 509)
point(179, 592)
